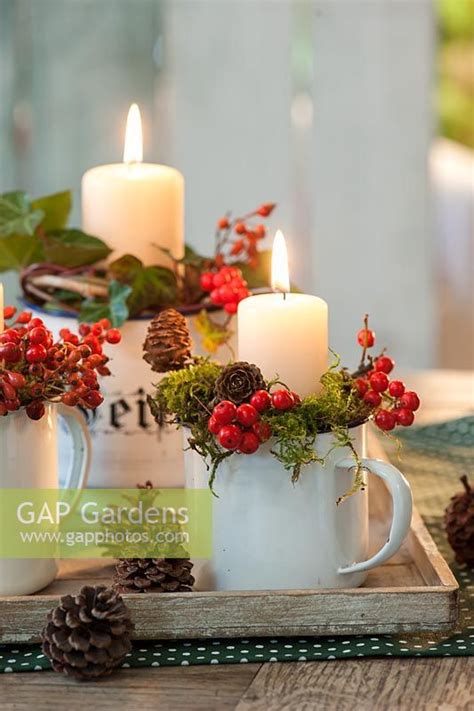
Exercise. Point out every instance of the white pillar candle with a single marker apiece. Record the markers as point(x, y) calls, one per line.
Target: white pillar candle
point(135, 206)
point(285, 334)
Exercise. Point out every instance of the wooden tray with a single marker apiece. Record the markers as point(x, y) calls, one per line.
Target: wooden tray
point(415, 591)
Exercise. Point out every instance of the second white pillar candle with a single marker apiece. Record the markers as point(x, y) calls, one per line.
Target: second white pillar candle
point(286, 336)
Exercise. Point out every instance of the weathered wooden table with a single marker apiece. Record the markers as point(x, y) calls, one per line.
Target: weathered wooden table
point(411, 684)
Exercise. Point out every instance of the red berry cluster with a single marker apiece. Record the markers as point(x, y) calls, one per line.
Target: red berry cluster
point(35, 369)
point(393, 404)
point(227, 287)
point(240, 428)
point(238, 238)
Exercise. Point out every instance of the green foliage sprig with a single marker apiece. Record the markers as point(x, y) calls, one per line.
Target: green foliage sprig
point(35, 231)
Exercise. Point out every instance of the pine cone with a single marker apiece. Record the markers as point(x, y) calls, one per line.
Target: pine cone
point(88, 634)
point(459, 524)
point(168, 343)
point(238, 382)
point(135, 575)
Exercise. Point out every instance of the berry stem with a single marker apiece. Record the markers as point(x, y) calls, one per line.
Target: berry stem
point(465, 482)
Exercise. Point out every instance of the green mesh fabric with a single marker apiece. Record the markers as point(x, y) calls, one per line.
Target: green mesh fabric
point(433, 458)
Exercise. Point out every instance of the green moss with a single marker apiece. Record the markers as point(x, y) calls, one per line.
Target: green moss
point(186, 397)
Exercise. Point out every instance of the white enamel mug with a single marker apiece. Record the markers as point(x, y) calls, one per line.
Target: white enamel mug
point(29, 460)
point(270, 534)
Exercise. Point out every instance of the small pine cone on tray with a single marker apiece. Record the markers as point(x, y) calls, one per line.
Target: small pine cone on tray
point(155, 575)
point(459, 524)
point(168, 342)
point(88, 634)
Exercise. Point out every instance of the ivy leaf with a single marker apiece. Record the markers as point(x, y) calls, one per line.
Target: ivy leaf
point(151, 287)
point(18, 251)
point(73, 248)
point(213, 335)
point(17, 215)
point(115, 309)
point(56, 209)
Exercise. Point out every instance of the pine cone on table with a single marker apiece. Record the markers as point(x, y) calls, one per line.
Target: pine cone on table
point(88, 634)
point(160, 575)
point(238, 382)
point(168, 342)
point(459, 524)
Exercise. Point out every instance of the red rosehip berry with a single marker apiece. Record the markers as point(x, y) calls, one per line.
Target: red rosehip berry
point(93, 344)
point(16, 379)
point(11, 335)
point(24, 317)
point(226, 293)
point(249, 443)
point(10, 352)
point(8, 391)
point(410, 400)
point(385, 420)
point(296, 398)
point(266, 209)
point(96, 329)
point(35, 410)
point(9, 312)
point(225, 412)
point(396, 388)
point(384, 364)
point(230, 436)
point(213, 425)
point(405, 417)
point(105, 323)
point(12, 405)
point(260, 231)
point(38, 335)
point(36, 390)
point(240, 228)
point(113, 336)
point(70, 399)
point(215, 297)
point(231, 307)
point(246, 415)
point(207, 281)
point(378, 382)
point(84, 329)
point(282, 400)
point(36, 354)
point(34, 323)
point(362, 386)
point(93, 399)
point(261, 400)
point(242, 293)
point(262, 430)
point(372, 398)
point(218, 280)
point(223, 223)
point(366, 338)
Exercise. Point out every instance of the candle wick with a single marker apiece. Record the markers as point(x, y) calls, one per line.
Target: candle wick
point(284, 296)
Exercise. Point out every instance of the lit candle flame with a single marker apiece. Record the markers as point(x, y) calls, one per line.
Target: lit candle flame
point(133, 146)
point(280, 274)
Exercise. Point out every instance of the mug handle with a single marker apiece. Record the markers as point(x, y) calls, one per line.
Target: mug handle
point(402, 499)
point(82, 447)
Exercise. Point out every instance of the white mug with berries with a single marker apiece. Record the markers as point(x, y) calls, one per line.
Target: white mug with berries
point(41, 378)
point(290, 474)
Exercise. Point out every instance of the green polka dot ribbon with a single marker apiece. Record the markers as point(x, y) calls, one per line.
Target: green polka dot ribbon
point(434, 457)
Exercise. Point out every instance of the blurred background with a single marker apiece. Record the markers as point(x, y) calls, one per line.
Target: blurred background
point(356, 116)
